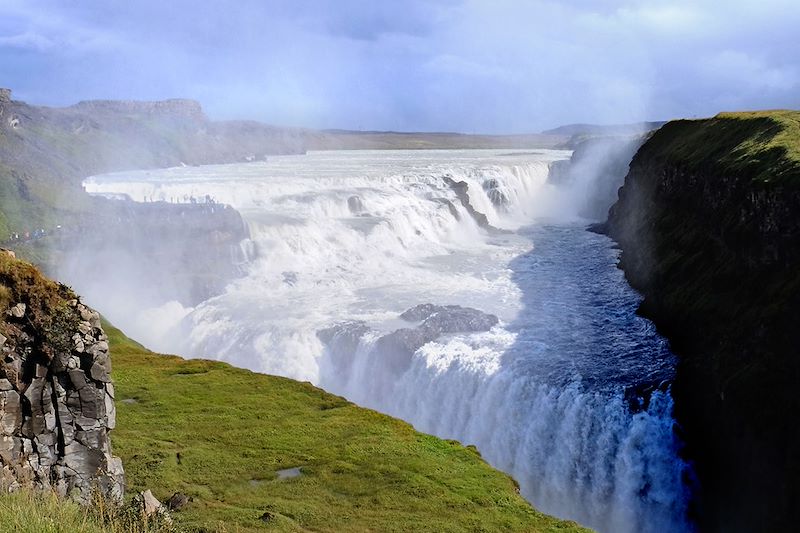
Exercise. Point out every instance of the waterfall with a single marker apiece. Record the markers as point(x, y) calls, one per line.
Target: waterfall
point(568, 392)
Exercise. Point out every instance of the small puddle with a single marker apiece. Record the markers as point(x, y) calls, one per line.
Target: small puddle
point(288, 473)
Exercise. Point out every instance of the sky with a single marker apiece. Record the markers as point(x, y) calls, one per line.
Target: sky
point(490, 66)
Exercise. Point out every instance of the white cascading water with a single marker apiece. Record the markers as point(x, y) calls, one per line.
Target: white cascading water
point(566, 393)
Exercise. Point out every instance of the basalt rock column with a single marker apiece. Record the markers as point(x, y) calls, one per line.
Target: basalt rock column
point(56, 395)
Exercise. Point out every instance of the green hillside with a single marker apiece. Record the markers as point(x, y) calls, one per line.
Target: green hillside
point(763, 145)
point(220, 435)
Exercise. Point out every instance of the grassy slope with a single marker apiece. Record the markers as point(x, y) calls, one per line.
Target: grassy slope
point(764, 145)
point(29, 511)
point(26, 512)
point(219, 434)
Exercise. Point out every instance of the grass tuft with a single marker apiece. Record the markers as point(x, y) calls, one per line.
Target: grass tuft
point(29, 511)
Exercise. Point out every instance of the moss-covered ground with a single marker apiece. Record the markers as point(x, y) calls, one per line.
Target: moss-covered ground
point(220, 434)
point(763, 145)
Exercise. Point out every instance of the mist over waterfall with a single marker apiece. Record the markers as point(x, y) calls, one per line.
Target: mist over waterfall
point(531, 349)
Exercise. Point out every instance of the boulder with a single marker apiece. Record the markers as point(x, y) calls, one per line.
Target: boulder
point(178, 501)
point(150, 507)
point(355, 205)
point(18, 311)
point(399, 346)
point(450, 318)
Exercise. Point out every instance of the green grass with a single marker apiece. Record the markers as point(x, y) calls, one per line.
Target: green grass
point(29, 511)
point(763, 145)
point(219, 434)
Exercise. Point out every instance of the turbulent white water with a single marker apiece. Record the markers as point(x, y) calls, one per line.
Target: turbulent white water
point(559, 393)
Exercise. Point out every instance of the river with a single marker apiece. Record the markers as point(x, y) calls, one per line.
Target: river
point(568, 392)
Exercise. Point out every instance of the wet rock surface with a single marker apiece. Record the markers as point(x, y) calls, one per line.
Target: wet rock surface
point(398, 347)
point(461, 188)
point(450, 318)
point(496, 194)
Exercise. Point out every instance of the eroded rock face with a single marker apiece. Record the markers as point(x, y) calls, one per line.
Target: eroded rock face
point(57, 405)
point(494, 190)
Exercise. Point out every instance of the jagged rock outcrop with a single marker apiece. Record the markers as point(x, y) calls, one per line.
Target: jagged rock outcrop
point(56, 395)
point(709, 225)
point(461, 190)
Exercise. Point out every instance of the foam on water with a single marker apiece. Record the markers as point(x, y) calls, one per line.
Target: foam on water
point(553, 394)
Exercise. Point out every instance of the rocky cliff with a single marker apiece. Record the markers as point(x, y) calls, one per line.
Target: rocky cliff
point(709, 223)
point(56, 396)
point(45, 153)
point(161, 251)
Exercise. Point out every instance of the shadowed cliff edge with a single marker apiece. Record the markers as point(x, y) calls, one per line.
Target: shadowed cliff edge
point(709, 224)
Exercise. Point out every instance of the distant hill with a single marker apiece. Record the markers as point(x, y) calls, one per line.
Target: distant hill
point(46, 152)
point(604, 129)
point(392, 140)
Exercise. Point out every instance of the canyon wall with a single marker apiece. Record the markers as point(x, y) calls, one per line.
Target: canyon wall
point(709, 223)
point(185, 252)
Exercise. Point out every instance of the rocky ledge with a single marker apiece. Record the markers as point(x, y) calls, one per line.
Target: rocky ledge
point(56, 396)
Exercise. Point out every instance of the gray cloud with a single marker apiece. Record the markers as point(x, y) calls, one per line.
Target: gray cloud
point(466, 65)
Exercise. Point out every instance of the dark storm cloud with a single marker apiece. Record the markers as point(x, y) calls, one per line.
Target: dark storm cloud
point(464, 65)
